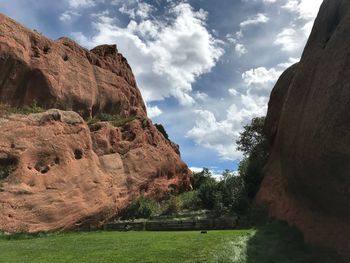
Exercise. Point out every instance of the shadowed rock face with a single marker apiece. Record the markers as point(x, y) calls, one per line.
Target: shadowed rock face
point(61, 74)
point(307, 178)
point(56, 171)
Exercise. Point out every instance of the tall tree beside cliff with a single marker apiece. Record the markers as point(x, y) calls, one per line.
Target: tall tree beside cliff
point(253, 143)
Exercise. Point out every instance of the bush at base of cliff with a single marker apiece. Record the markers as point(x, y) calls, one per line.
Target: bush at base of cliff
point(191, 200)
point(142, 207)
point(172, 206)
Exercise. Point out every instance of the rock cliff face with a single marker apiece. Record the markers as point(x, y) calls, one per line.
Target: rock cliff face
point(56, 170)
point(307, 178)
point(61, 74)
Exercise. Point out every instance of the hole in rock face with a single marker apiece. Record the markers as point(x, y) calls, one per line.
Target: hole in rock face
point(57, 160)
point(42, 167)
point(46, 49)
point(65, 57)
point(78, 154)
point(45, 170)
point(7, 166)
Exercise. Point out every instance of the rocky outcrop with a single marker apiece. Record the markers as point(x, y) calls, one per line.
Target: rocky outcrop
point(61, 74)
point(58, 171)
point(307, 178)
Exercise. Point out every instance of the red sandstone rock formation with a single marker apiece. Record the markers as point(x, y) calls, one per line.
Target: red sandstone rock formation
point(56, 171)
point(61, 74)
point(307, 178)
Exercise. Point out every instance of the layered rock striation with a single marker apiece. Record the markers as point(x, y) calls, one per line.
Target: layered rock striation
point(307, 178)
point(58, 171)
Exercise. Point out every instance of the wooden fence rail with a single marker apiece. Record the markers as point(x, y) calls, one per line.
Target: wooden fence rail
point(174, 225)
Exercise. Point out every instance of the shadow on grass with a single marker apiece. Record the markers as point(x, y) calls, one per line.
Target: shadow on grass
point(276, 242)
point(23, 236)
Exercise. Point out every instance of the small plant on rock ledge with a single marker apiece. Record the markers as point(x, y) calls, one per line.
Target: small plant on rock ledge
point(115, 120)
point(26, 110)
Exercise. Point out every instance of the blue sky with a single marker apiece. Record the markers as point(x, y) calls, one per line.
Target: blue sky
point(205, 68)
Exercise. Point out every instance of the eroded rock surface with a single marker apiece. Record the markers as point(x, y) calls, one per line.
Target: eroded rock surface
point(61, 74)
point(307, 178)
point(56, 170)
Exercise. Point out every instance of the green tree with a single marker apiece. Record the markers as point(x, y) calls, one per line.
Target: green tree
point(253, 144)
point(200, 177)
point(173, 205)
point(208, 193)
point(252, 140)
point(232, 189)
point(142, 207)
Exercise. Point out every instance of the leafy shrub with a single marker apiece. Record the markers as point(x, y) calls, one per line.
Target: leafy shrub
point(142, 207)
point(26, 110)
point(162, 130)
point(173, 205)
point(191, 200)
point(33, 108)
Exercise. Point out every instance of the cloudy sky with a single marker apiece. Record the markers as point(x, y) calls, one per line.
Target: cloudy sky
point(205, 68)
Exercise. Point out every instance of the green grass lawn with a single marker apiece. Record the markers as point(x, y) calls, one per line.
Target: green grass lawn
point(274, 242)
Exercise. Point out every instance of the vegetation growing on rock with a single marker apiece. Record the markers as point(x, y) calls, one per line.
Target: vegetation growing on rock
point(26, 110)
point(115, 120)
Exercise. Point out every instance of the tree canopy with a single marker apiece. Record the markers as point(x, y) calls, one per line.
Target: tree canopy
point(253, 144)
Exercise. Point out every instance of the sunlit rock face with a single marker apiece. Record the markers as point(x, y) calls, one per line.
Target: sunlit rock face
point(56, 170)
point(307, 178)
point(62, 74)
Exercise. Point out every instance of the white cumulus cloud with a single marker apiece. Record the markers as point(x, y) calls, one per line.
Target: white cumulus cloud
point(293, 37)
point(81, 3)
point(221, 135)
point(68, 15)
point(240, 49)
point(255, 20)
point(166, 58)
point(261, 78)
point(306, 9)
point(153, 111)
point(142, 10)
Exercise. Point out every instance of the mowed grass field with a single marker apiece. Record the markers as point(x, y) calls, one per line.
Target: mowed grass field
point(274, 242)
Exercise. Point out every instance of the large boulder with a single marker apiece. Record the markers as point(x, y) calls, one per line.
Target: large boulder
point(58, 171)
point(307, 178)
